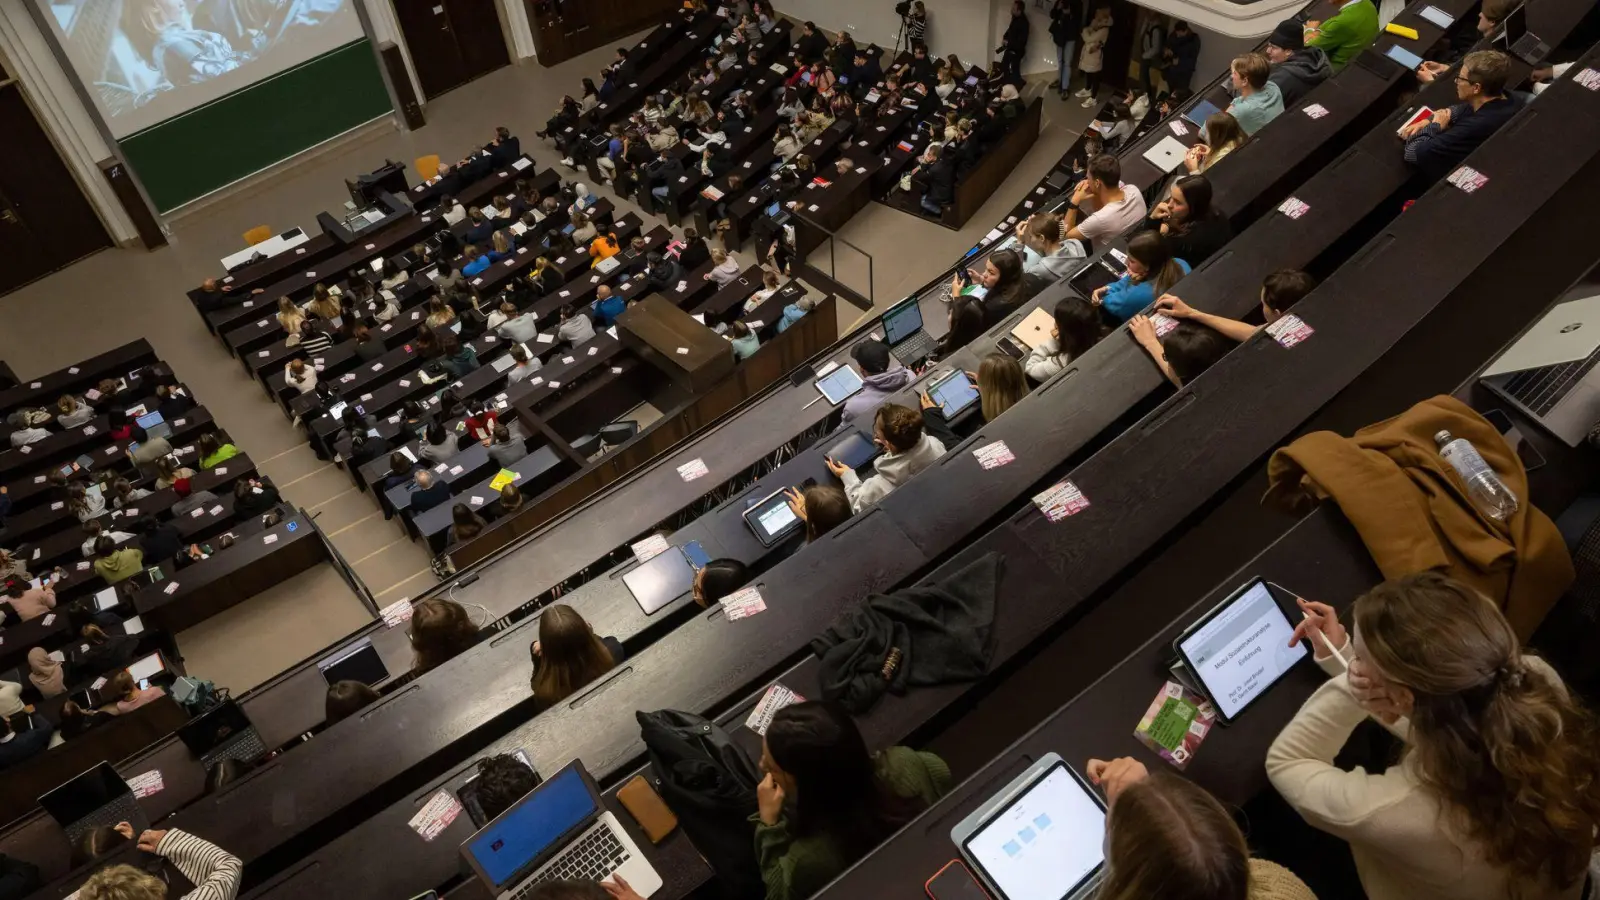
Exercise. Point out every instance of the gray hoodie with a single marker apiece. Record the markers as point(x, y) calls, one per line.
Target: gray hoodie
point(875, 389)
point(1297, 75)
point(893, 470)
point(1067, 259)
point(576, 330)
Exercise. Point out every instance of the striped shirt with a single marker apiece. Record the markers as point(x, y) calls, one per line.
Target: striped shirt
point(917, 29)
point(214, 871)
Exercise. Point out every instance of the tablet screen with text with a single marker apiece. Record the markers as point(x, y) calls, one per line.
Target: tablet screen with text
point(1241, 648)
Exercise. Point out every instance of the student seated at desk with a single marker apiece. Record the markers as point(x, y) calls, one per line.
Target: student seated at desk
point(93, 529)
point(501, 314)
point(1192, 227)
point(1077, 328)
point(504, 449)
point(452, 210)
point(502, 780)
point(315, 336)
point(822, 507)
point(174, 400)
point(29, 433)
point(1165, 830)
point(966, 323)
point(1437, 146)
point(72, 412)
point(1047, 254)
point(511, 501)
point(214, 872)
point(1203, 338)
point(1152, 271)
point(718, 579)
point(128, 694)
point(1296, 68)
point(30, 602)
point(169, 470)
point(47, 676)
point(1492, 796)
point(77, 721)
point(301, 377)
point(1102, 206)
point(149, 449)
point(606, 306)
point(1001, 385)
point(1259, 101)
point(603, 247)
point(878, 381)
point(290, 316)
point(345, 699)
point(84, 503)
point(909, 450)
point(323, 304)
point(429, 491)
point(1221, 136)
point(440, 631)
point(20, 746)
point(519, 327)
point(11, 699)
point(106, 651)
point(464, 524)
point(214, 450)
point(568, 655)
point(438, 444)
point(400, 470)
point(796, 311)
point(440, 315)
point(254, 496)
point(744, 342)
point(1349, 31)
point(368, 347)
point(575, 326)
point(825, 801)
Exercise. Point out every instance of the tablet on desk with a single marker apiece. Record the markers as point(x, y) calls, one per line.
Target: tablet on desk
point(1404, 57)
point(771, 519)
point(838, 385)
point(1042, 837)
point(1241, 647)
point(954, 392)
point(1200, 112)
point(661, 580)
point(854, 451)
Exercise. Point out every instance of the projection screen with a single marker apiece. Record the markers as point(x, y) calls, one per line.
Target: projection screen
point(145, 61)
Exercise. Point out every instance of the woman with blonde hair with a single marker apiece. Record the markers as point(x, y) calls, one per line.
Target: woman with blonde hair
point(1001, 384)
point(1497, 792)
point(72, 412)
point(290, 316)
point(440, 315)
point(323, 305)
point(568, 655)
point(1223, 135)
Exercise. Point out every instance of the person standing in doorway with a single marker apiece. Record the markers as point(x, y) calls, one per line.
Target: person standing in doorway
point(1066, 21)
point(1092, 61)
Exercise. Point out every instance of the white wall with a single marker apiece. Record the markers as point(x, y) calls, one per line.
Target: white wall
point(961, 27)
point(49, 91)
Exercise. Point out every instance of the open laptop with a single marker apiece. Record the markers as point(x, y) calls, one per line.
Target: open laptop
point(1042, 837)
point(97, 798)
point(1167, 154)
point(1515, 39)
point(154, 425)
point(1549, 372)
point(560, 830)
point(903, 332)
point(1200, 112)
point(224, 732)
point(357, 662)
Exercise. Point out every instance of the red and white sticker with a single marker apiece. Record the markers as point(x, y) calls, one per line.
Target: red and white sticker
point(995, 455)
point(431, 821)
point(743, 603)
point(396, 612)
point(650, 548)
point(694, 468)
point(1468, 179)
point(1294, 207)
point(147, 783)
point(1060, 501)
point(1315, 110)
point(1290, 330)
point(776, 698)
point(1589, 78)
point(1163, 323)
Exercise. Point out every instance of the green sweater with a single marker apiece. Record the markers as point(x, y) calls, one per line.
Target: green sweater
point(795, 868)
point(120, 564)
point(1352, 29)
point(223, 454)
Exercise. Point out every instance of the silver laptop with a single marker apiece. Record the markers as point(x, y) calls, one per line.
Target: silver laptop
point(1549, 373)
point(1167, 154)
point(560, 830)
point(1041, 838)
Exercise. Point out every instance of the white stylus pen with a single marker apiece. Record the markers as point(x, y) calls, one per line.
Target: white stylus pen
point(1329, 644)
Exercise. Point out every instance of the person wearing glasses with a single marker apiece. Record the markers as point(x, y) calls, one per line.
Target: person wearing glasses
point(1437, 146)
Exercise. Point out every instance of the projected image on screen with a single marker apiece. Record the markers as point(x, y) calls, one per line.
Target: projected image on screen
point(144, 61)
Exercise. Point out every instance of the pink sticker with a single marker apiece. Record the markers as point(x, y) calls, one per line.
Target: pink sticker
point(1290, 330)
point(1294, 207)
point(1468, 179)
point(1060, 501)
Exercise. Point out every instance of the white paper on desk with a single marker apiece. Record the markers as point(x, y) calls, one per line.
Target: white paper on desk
point(436, 816)
point(221, 470)
point(39, 479)
point(593, 350)
point(567, 360)
point(196, 513)
point(269, 539)
point(98, 683)
point(476, 500)
point(441, 467)
point(546, 339)
point(993, 236)
point(456, 470)
point(311, 274)
point(776, 698)
point(216, 510)
point(171, 588)
point(134, 625)
point(36, 385)
point(83, 565)
point(521, 164)
point(743, 603)
point(612, 331)
point(57, 505)
point(264, 354)
point(554, 385)
point(146, 783)
point(755, 324)
point(179, 423)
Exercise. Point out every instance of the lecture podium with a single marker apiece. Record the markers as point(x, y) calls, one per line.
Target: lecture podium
point(686, 351)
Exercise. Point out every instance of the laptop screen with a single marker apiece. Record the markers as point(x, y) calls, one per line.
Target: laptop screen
point(146, 668)
point(529, 829)
point(902, 322)
point(205, 733)
point(150, 421)
point(1047, 842)
point(77, 799)
point(1516, 26)
point(358, 662)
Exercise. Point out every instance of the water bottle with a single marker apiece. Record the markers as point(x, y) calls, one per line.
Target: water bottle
point(1487, 491)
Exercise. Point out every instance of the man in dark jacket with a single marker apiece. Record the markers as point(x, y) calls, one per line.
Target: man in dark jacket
point(1437, 146)
point(1296, 68)
point(1181, 55)
point(1014, 44)
point(429, 492)
point(812, 44)
point(1066, 23)
point(844, 53)
point(866, 72)
point(664, 177)
point(663, 274)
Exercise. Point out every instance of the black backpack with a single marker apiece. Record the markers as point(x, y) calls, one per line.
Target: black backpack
point(709, 782)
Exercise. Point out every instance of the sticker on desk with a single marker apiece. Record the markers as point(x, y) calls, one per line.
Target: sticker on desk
point(776, 698)
point(436, 816)
point(1290, 330)
point(650, 548)
point(743, 603)
point(456, 470)
point(995, 455)
point(269, 539)
point(197, 513)
point(1294, 207)
point(222, 470)
point(683, 351)
point(593, 350)
point(1163, 323)
point(50, 618)
point(1178, 127)
point(57, 505)
point(1060, 501)
point(693, 469)
point(83, 566)
point(616, 370)
point(39, 479)
point(147, 783)
point(1589, 78)
point(1468, 179)
point(1176, 722)
point(172, 587)
point(397, 612)
point(36, 385)
point(264, 354)
point(216, 510)
point(1315, 110)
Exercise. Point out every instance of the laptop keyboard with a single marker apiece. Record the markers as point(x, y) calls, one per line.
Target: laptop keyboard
point(123, 809)
point(592, 858)
point(247, 747)
point(914, 349)
point(1542, 388)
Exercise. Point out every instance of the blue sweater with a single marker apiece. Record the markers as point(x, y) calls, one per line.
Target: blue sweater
point(483, 262)
point(791, 314)
point(607, 310)
point(1124, 298)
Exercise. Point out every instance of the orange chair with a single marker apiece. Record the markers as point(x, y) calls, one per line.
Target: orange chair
point(257, 234)
point(427, 167)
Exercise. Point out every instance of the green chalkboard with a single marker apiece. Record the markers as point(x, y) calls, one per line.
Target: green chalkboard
point(193, 154)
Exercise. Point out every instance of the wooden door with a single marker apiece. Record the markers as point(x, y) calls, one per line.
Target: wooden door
point(432, 42)
point(45, 221)
point(479, 36)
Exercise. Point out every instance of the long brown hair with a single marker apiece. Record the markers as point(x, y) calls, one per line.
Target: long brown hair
point(1001, 384)
point(440, 629)
point(1166, 837)
point(1151, 250)
point(1508, 753)
point(570, 656)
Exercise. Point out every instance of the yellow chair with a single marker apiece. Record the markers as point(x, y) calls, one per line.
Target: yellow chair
point(427, 167)
point(257, 234)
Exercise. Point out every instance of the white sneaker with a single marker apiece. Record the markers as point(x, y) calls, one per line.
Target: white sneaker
point(1089, 102)
point(1083, 92)
point(567, 161)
